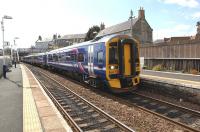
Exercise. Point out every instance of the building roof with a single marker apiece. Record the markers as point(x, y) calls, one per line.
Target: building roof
point(117, 28)
point(103, 39)
point(73, 36)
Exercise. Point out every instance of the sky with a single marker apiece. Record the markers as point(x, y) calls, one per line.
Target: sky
point(32, 18)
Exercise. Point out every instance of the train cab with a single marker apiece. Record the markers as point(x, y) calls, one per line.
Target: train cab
point(122, 63)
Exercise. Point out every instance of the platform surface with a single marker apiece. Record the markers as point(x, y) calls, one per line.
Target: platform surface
point(11, 101)
point(25, 107)
point(40, 114)
point(174, 75)
point(187, 80)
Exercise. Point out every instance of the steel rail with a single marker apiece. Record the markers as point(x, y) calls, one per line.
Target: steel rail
point(147, 110)
point(197, 113)
point(62, 110)
point(165, 117)
point(107, 116)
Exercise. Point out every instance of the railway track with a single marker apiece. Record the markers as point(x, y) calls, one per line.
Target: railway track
point(185, 117)
point(79, 113)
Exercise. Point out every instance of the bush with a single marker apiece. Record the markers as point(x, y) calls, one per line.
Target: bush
point(194, 71)
point(157, 67)
point(144, 67)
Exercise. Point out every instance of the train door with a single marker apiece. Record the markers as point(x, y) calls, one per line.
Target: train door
point(91, 60)
point(127, 59)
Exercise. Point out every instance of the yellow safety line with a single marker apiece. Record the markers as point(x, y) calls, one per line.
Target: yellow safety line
point(172, 79)
point(31, 121)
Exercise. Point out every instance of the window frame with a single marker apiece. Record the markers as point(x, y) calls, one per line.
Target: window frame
point(98, 59)
point(78, 57)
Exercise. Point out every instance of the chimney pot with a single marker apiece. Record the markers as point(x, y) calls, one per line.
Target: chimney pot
point(141, 14)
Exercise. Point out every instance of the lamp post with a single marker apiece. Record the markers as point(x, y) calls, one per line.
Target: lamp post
point(16, 56)
point(2, 26)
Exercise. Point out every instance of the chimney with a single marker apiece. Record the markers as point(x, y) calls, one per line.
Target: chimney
point(141, 14)
point(102, 26)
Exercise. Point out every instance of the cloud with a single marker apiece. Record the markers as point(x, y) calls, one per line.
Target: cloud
point(184, 3)
point(196, 15)
point(177, 30)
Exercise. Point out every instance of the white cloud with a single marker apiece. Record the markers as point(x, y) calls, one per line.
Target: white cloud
point(196, 15)
point(184, 3)
point(177, 30)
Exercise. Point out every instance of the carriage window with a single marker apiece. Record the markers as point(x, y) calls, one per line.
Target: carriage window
point(55, 57)
point(61, 57)
point(73, 57)
point(113, 55)
point(50, 57)
point(80, 57)
point(100, 57)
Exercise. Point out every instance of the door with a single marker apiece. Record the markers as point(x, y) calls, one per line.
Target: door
point(91, 60)
point(127, 59)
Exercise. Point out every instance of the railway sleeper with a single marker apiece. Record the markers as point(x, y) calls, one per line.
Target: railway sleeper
point(81, 113)
point(95, 125)
point(85, 119)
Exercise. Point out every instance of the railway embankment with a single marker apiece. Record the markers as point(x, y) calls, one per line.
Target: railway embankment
point(182, 90)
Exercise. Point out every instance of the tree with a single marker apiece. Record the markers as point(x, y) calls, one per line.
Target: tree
point(40, 38)
point(59, 36)
point(92, 32)
point(102, 26)
point(55, 36)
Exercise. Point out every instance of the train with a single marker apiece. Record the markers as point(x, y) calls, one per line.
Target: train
point(111, 61)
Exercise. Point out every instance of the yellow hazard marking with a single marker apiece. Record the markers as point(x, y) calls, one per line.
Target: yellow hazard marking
point(31, 121)
point(188, 82)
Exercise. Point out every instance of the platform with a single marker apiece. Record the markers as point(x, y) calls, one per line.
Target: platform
point(11, 102)
point(181, 79)
point(182, 86)
point(25, 106)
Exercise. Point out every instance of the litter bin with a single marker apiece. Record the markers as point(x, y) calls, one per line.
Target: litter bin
point(4, 70)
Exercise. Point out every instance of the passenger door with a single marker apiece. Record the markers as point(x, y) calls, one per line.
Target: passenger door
point(91, 60)
point(127, 59)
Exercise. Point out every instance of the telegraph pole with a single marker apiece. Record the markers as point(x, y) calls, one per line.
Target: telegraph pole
point(131, 18)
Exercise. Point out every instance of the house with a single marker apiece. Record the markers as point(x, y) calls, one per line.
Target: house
point(68, 40)
point(142, 31)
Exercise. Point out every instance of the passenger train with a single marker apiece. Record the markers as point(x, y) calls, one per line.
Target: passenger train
point(111, 62)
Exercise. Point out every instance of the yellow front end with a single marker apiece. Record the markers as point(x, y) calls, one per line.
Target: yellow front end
point(122, 64)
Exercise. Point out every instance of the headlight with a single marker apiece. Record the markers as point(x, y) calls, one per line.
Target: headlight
point(112, 67)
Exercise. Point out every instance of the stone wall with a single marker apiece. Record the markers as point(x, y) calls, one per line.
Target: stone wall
point(143, 31)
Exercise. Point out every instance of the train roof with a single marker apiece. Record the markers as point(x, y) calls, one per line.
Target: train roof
point(96, 40)
point(38, 54)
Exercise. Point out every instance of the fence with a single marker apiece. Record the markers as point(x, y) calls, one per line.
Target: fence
point(180, 55)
